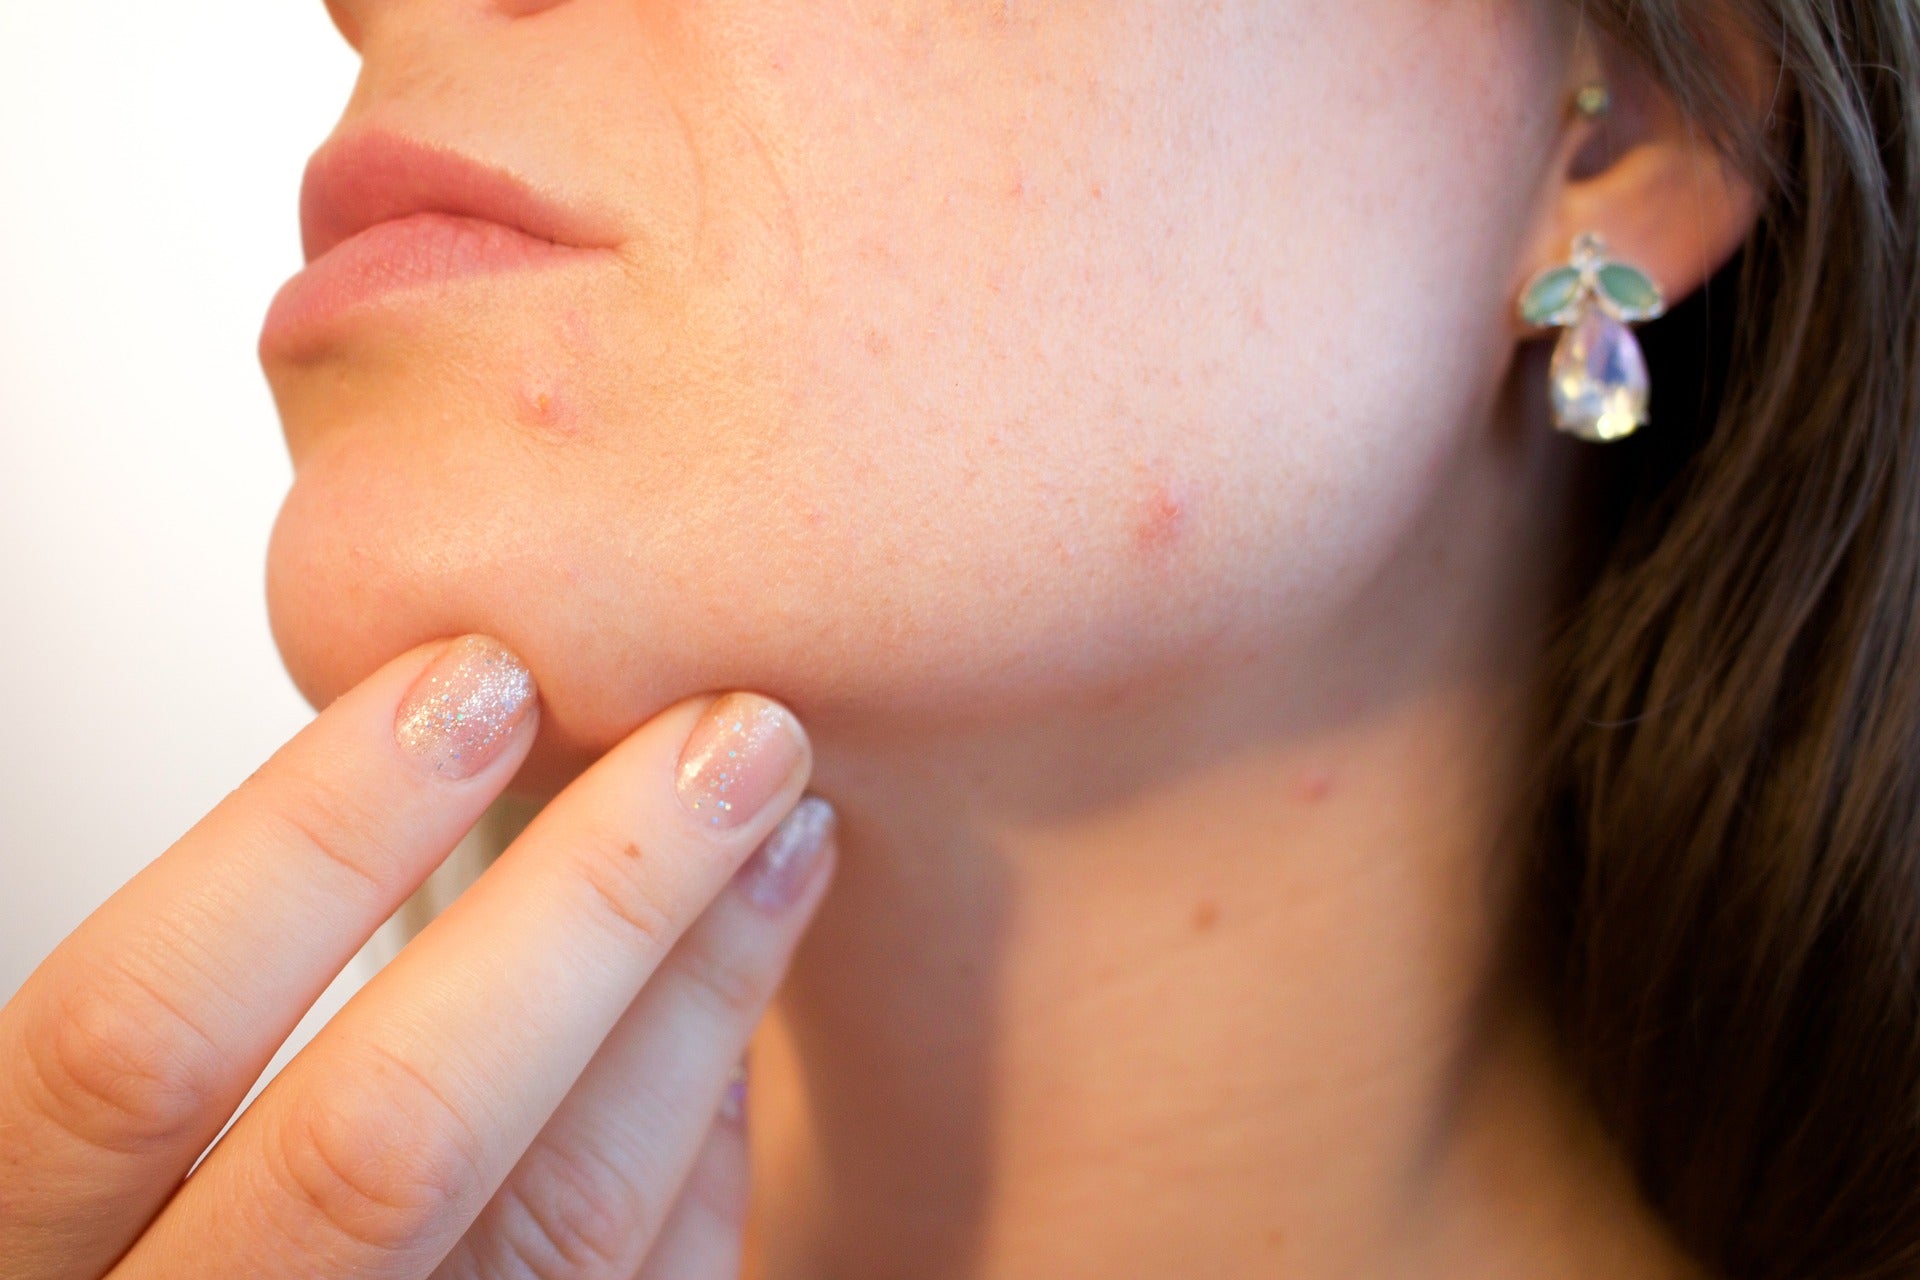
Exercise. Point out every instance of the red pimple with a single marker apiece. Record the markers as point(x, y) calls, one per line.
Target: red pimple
point(1161, 516)
point(544, 406)
point(1313, 786)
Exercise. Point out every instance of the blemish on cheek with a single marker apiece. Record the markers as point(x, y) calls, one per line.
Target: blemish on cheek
point(576, 331)
point(544, 393)
point(545, 407)
point(1205, 917)
point(1313, 786)
point(1160, 519)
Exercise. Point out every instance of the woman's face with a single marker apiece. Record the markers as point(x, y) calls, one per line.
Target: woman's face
point(942, 359)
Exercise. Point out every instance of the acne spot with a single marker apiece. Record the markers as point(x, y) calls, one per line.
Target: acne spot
point(1313, 786)
point(543, 396)
point(879, 345)
point(1160, 519)
point(1205, 917)
point(544, 407)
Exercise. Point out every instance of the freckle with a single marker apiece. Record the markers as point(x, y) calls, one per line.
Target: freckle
point(1205, 917)
point(1161, 517)
point(1097, 191)
point(879, 345)
point(1313, 786)
point(1018, 187)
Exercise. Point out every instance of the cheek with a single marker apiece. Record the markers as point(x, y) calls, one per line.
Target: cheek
point(1014, 409)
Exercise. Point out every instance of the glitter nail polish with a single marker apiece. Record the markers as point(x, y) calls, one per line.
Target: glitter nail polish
point(739, 755)
point(782, 867)
point(465, 706)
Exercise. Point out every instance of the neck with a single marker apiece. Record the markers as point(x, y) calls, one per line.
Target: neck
point(1207, 981)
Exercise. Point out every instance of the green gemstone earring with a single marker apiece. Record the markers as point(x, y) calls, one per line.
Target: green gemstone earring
point(1599, 374)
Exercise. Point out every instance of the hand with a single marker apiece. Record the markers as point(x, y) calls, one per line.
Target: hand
point(537, 1086)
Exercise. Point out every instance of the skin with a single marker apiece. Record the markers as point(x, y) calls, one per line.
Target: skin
point(1106, 426)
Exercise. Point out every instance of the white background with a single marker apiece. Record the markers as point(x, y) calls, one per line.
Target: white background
point(150, 159)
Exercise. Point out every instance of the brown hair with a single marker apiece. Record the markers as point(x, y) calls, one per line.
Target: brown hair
point(1729, 822)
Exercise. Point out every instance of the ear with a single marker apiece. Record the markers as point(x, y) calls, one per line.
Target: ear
point(1647, 180)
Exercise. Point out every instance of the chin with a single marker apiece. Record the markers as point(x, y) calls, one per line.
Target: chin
point(392, 536)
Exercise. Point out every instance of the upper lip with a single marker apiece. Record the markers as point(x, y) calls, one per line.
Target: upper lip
point(360, 179)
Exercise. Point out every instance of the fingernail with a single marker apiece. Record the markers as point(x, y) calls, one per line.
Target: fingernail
point(465, 706)
point(738, 757)
point(733, 1103)
point(782, 867)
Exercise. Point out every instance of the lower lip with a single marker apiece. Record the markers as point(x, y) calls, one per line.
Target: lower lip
point(419, 252)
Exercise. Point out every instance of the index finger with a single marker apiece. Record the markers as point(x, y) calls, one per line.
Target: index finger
point(128, 1049)
point(378, 1146)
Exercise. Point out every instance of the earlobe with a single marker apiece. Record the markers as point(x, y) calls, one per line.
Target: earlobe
point(1652, 208)
point(1654, 185)
point(1676, 207)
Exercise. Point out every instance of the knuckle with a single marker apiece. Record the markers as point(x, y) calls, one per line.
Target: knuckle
point(733, 985)
point(336, 829)
point(118, 1069)
point(377, 1158)
point(613, 871)
point(569, 1214)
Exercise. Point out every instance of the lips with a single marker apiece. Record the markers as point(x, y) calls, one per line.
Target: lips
point(382, 214)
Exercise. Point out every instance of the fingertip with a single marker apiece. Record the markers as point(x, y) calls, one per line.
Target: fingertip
point(473, 699)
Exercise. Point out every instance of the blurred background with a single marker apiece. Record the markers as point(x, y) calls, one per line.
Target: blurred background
point(150, 160)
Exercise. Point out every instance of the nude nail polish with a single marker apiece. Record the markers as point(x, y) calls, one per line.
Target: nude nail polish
point(465, 706)
point(738, 757)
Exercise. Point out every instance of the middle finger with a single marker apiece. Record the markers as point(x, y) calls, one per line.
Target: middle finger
point(380, 1143)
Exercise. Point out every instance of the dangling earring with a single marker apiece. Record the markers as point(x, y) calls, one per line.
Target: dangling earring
point(1599, 374)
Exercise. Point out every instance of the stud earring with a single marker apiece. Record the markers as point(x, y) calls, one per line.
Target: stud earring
point(1599, 374)
point(1592, 101)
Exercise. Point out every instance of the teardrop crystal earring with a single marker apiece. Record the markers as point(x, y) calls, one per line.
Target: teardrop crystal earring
point(1599, 374)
